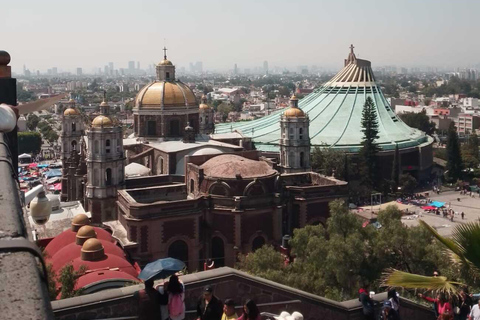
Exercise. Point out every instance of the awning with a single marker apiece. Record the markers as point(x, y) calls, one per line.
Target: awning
point(437, 204)
point(24, 156)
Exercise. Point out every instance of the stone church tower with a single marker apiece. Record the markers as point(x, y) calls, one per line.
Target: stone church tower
point(72, 131)
point(106, 166)
point(294, 139)
point(206, 117)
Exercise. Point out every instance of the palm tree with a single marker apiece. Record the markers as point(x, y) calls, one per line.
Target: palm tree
point(462, 249)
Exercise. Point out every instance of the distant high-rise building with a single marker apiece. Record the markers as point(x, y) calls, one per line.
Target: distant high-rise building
point(110, 66)
point(79, 71)
point(235, 69)
point(131, 67)
point(265, 67)
point(138, 65)
point(106, 70)
point(54, 71)
point(199, 66)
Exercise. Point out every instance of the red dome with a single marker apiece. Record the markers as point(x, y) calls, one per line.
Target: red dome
point(73, 251)
point(109, 262)
point(69, 236)
point(100, 275)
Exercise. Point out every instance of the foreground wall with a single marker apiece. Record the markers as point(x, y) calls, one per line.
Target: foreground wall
point(228, 283)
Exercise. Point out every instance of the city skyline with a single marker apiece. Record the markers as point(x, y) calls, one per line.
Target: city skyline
point(309, 33)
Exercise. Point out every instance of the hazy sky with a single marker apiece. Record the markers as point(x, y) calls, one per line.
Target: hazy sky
point(87, 33)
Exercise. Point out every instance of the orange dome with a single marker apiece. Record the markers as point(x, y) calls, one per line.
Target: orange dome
point(80, 220)
point(86, 232)
point(294, 113)
point(165, 94)
point(102, 121)
point(70, 112)
point(92, 245)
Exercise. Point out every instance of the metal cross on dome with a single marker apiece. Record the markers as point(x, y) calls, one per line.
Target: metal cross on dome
point(165, 53)
point(351, 48)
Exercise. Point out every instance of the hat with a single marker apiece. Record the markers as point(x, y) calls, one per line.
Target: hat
point(208, 289)
point(295, 316)
point(387, 303)
point(282, 316)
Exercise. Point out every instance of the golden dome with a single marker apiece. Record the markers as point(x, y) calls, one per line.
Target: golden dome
point(92, 245)
point(71, 101)
point(165, 62)
point(86, 232)
point(71, 112)
point(172, 94)
point(80, 220)
point(294, 98)
point(104, 104)
point(294, 113)
point(204, 106)
point(102, 121)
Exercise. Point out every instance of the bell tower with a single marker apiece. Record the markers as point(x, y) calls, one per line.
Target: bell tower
point(72, 131)
point(165, 69)
point(295, 139)
point(207, 125)
point(105, 166)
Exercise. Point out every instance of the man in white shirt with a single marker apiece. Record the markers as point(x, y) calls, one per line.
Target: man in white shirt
point(475, 313)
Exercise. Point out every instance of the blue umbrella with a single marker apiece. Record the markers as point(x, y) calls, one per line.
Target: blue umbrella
point(161, 269)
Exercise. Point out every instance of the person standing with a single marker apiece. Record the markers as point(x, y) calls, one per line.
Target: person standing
point(209, 307)
point(367, 303)
point(475, 312)
point(392, 296)
point(229, 310)
point(149, 301)
point(388, 313)
point(250, 311)
point(465, 306)
point(443, 309)
point(176, 297)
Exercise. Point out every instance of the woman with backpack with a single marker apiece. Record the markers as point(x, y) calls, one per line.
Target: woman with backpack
point(176, 297)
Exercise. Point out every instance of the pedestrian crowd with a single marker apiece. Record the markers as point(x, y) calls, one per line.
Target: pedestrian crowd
point(167, 302)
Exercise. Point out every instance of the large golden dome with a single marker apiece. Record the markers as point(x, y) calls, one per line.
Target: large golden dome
point(294, 113)
point(102, 121)
point(71, 112)
point(171, 94)
point(165, 62)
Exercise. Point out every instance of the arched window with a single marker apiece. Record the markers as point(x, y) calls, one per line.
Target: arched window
point(218, 251)
point(107, 146)
point(192, 186)
point(74, 145)
point(108, 177)
point(257, 243)
point(97, 148)
point(302, 160)
point(160, 165)
point(96, 179)
point(179, 250)
point(291, 134)
point(291, 160)
point(74, 127)
point(168, 75)
point(174, 128)
point(300, 133)
point(219, 190)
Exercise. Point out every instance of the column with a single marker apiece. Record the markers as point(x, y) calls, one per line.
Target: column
point(303, 214)
point(238, 230)
point(277, 223)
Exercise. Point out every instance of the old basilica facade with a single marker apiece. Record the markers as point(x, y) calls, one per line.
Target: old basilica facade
point(175, 188)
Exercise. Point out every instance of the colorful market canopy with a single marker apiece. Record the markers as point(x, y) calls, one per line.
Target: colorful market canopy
point(335, 112)
point(436, 204)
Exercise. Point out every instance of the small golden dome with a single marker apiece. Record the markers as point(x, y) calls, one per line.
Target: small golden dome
point(294, 98)
point(80, 220)
point(86, 232)
point(104, 104)
point(165, 94)
point(71, 101)
point(204, 106)
point(71, 112)
point(92, 245)
point(294, 113)
point(102, 121)
point(165, 62)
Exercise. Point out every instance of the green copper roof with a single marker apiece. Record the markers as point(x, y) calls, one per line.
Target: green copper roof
point(335, 112)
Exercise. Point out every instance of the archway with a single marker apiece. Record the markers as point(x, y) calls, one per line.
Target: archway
point(218, 252)
point(151, 128)
point(74, 145)
point(179, 250)
point(108, 177)
point(257, 243)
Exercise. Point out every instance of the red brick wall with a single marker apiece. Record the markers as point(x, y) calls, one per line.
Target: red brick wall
point(184, 227)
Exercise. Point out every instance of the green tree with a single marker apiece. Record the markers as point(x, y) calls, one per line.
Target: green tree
point(224, 108)
point(408, 183)
point(68, 278)
point(369, 149)
point(329, 161)
point(29, 142)
point(454, 157)
point(470, 154)
point(419, 121)
point(32, 121)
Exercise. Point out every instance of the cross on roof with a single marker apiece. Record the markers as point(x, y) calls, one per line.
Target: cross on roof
point(165, 53)
point(351, 48)
point(104, 95)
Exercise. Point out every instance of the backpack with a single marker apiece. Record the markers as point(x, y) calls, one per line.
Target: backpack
point(175, 305)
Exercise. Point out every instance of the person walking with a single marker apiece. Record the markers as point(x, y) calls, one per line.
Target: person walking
point(367, 303)
point(149, 301)
point(392, 296)
point(229, 310)
point(463, 215)
point(388, 313)
point(464, 306)
point(209, 307)
point(176, 298)
point(250, 311)
point(475, 312)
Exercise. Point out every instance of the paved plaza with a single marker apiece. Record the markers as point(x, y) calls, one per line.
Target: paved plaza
point(470, 206)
